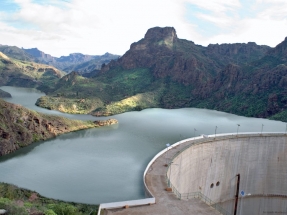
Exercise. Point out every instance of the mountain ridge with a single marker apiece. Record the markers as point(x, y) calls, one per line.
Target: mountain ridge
point(161, 70)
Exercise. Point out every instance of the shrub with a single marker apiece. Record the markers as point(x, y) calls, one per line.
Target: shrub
point(50, 212)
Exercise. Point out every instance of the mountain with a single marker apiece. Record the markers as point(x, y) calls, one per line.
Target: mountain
point(90, 66)
point(164, 71)
point(27, 74)
point(40, 56)
point(20, 127)
point(183, 61)
point(73, 62)
point(16, 53)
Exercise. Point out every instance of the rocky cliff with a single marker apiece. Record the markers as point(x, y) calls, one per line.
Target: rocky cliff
point(162, 70)
point(246, 79)
point(183, 61)
point(4, 94)
point(20, 127)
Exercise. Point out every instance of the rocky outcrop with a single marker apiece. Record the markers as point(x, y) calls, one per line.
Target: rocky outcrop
point(4, 94)
point(237, 53)
point(280, 51)
point(106, 122)
point(214, 75)
point(166, 55)
point(20, 127)
point(246, 79)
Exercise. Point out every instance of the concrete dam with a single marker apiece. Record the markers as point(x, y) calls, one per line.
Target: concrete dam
point(246, 172)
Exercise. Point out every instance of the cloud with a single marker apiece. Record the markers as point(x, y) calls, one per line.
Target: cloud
point(96, 27)
point(93, 26)
point(261, 21)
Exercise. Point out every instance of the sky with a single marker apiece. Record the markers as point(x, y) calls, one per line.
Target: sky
point(61, 27)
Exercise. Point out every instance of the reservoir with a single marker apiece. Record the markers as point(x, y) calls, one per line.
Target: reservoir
point(106, 164)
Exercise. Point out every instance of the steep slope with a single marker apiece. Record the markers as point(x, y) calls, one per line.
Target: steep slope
point(162, 70)
point(183, 61)
point(237, 53)
point(16, 53)
point(27, 74)
point(255, 89)
point(20, 201)
point(4, 94)
point(20, 127)
point(165, 55)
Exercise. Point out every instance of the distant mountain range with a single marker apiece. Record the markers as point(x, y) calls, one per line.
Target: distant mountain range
point(74, 62)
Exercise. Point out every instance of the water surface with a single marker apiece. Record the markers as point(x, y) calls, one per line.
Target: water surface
point(106, 164)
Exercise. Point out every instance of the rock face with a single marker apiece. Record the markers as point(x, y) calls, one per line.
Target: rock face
point(164, 71)
point(106, 122)
point(166, 55)
point(237, 53)
point(20, 127)
point(4, 94)
point(246, 79)
point(40, 56)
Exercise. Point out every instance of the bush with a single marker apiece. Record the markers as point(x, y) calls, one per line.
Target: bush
point(12, 209)
point(63, 209)
point(50, 212)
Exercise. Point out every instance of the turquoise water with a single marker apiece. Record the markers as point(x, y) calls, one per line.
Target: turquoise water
point(106, 164)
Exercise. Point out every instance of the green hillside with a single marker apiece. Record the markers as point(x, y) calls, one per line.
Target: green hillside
point(164, 71)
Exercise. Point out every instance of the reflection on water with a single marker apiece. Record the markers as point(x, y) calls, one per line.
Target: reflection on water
point(106, 164)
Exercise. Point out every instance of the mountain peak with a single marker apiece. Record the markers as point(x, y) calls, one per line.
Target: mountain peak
point(158, 33)
point(280, 50)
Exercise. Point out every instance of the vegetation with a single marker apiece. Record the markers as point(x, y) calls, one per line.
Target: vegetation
point(163, 71)
point(27, 74)
point(19, 201)
point(20, 127)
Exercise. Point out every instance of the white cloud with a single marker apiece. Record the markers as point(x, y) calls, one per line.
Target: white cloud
point(265, 23)
point(96, 27)
point(253, 30)
point(216, 6)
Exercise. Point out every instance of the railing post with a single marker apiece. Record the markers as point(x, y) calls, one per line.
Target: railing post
point(236, 195)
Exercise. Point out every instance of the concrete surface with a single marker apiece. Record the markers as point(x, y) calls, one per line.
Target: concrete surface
point(260, 159)
point(212, 168)
point(166, 202)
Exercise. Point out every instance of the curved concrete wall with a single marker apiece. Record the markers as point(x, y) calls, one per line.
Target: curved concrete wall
point(211, 168)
